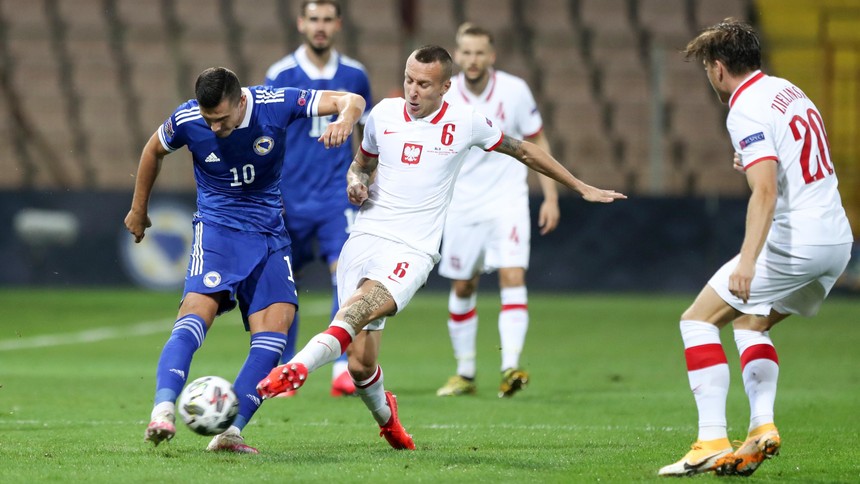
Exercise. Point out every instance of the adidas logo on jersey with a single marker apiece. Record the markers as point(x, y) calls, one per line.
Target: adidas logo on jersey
point(212, 158)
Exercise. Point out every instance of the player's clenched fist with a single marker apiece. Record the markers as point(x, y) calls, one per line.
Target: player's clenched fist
point(357, 193)
point(336, 134)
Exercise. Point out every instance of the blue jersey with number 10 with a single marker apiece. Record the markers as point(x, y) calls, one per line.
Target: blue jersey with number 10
point(314, 178)
point(238, 176)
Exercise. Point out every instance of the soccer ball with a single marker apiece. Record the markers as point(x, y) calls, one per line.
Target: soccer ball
point(208, 405)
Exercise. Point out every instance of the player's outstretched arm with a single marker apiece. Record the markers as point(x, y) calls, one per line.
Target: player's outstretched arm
point(540, 161)
point(137, 220)
point(349, 108)
point(359, 176)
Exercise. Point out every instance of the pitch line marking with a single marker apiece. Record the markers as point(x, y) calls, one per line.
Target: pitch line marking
point(109, 332)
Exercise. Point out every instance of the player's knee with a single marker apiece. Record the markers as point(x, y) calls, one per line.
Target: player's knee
point(464, 289)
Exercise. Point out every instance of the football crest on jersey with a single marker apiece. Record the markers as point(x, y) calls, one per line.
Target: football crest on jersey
point(212, 279)
point(263, 145)
point(411, 153)
point(168, 128)
point(303, 97)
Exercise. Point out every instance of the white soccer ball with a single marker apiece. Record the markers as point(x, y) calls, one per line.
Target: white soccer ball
point(208, 405)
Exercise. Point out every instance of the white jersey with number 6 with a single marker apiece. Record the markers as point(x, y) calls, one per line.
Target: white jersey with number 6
point(772, 119)
point(419, 160)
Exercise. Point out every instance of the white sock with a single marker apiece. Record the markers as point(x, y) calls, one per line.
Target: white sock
point(760, 369)
point(372, 393)
point(708, 372)
point(325, 347)
point(163, 407)
point(463, 330)
point(513, 325)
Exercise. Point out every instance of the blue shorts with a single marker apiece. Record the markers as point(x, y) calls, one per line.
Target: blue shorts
point(329, 226)
point(252, 268)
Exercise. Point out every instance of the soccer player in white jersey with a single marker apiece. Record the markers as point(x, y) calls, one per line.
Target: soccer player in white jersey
point(796, 244)
point(403, 177)
point(481, 234)
point(241, 251)
point(313, 180)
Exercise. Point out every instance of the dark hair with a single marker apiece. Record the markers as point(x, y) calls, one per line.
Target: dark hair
point(333, 3)
point(429, 54)
point(468, 28)
point(214, 84)
point(732, 42)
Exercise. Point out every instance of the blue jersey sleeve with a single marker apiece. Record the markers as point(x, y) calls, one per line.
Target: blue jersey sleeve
point(171, 133)
point(288, 103)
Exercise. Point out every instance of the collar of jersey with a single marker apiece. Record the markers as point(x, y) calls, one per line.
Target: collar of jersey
point(311, 70)
point(249, 106)
point(469, 95)
point(431, 118)
point(749, 81)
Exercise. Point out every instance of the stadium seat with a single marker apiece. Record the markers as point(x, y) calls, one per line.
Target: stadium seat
point(550, 21)
point(607, 16)
point(142, 20)
point(436, 23)
point(498, 17)
point(83, 20)
point(709, 12)
point(667, 21)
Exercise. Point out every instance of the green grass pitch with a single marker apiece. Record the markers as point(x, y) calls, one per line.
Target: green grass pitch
point(608, 400)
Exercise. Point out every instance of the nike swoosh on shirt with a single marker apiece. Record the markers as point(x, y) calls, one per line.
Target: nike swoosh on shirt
point(389, 132)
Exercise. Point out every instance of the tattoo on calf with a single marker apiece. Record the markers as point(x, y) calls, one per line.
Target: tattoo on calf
point(359, 313)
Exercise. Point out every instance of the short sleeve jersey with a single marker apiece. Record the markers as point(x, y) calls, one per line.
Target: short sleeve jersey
point(487, 177)
point(237, 176)
point(772, 119)
point(419, 160)
point(314, 176)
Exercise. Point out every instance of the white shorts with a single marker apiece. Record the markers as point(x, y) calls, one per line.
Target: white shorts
point(789, 280)
point(400, 268)
point(468, 250)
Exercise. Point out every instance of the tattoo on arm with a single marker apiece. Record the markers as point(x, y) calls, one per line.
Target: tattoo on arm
point(511, 146)
point(366, 309)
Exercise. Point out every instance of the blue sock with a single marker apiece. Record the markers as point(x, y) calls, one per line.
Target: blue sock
point(188, 334)
point(292, 335)
point(266, 348)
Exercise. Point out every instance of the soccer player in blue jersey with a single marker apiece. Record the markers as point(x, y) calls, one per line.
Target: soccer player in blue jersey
point(313, 181)
point(241, 250)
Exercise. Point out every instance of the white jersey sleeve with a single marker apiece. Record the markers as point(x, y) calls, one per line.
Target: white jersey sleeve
point(485, 134)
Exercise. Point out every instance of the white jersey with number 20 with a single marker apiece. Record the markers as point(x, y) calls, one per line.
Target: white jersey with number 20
point(772, 119)
point(419, 160)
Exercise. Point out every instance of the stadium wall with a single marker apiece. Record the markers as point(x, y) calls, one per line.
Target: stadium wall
point(74, 238)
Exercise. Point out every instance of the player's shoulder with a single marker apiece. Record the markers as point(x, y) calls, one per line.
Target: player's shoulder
point(187, 112)
point(389, 104)
point(282, 66)
point(511, 83)
point(351, 64)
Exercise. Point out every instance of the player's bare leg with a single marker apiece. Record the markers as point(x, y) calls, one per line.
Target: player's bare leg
point(369, 302)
